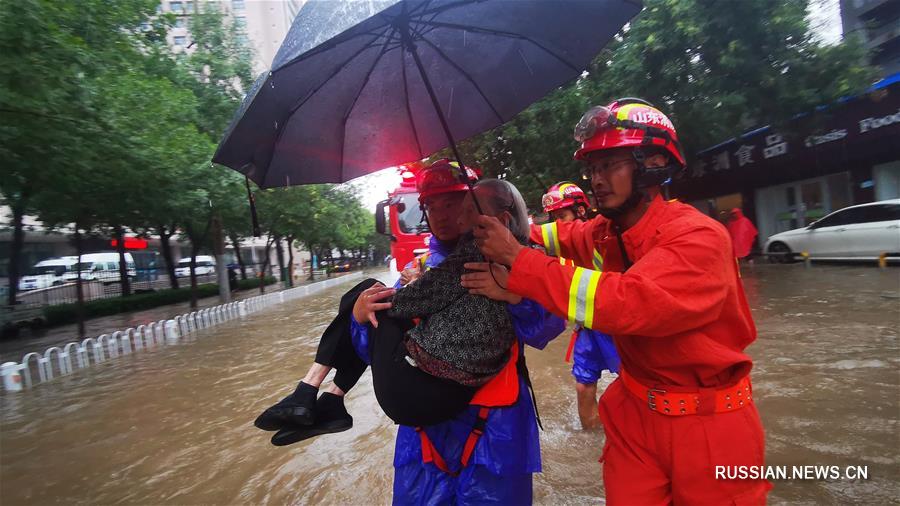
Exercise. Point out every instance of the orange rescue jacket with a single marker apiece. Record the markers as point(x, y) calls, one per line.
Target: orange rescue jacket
point(678, 315)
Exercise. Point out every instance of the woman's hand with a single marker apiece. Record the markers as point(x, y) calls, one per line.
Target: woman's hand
point(368, 303)
point(483, 283)
point(407, 276)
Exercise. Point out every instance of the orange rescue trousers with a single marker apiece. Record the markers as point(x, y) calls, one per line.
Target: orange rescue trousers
point(653, 459)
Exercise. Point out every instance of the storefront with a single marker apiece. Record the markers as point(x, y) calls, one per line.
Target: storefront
point(843, 155)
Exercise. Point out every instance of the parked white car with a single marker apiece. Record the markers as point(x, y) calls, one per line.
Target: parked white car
point(47, 273)
point(862, 232)
point(205, 265)
point(103, 267)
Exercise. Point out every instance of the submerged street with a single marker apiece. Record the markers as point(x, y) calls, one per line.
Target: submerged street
point(173, 425)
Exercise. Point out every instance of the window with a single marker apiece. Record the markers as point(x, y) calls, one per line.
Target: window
point(834, 219)
point(189, 7)
point(410, 214)
point(112, 266)
point(240, 21)
point(180, 23)
point(180, 40)
point(176, 7)
point(237, 5)
point(881, 212)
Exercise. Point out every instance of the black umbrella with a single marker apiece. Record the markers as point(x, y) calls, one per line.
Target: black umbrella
point(358, 86)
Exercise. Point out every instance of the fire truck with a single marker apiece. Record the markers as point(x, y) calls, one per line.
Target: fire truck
point(404, 221)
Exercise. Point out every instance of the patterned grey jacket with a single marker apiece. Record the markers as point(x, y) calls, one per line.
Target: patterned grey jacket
point(462, 337)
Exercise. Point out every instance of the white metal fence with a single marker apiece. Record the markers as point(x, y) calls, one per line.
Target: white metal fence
point(58, 361)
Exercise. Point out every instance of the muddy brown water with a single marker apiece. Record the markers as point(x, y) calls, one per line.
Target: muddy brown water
point(172, 425)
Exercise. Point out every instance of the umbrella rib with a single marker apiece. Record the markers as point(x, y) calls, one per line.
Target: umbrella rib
point(412, 123)
point(500, 33)
point(341, 67)
point(467, 76)
point(329, 45)
point(314, 91)
point(384, 49)
point(439, 9)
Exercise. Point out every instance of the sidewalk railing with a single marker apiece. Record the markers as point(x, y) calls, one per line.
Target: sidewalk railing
point(62, 361)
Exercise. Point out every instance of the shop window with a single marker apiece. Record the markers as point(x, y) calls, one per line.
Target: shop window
point(839, 190)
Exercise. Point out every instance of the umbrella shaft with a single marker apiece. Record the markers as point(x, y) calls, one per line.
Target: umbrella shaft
point(410, 47)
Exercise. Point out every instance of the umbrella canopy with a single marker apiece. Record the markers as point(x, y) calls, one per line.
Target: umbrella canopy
point(362, 85)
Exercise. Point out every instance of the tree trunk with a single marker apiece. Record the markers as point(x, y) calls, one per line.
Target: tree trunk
point(279, 254)
point(124, 282)
point(194, 249)
point(79, 288)
point(15, 250)
point(262, 272)
point(237, 254)
point(290, 266)
point(164, 235)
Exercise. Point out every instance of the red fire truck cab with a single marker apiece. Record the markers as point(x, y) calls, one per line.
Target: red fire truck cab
point(405, 223)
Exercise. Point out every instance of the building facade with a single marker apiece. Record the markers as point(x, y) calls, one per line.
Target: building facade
point(842, 155)
point(265, 23)
point(877, 23)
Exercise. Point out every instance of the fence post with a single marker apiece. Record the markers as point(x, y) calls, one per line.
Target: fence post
point(12, 379)
point(172, 331)
point(139, 338)
point(128, 337)
point(68, 353)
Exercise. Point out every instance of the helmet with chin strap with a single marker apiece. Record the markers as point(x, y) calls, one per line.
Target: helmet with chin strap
point(636, 124)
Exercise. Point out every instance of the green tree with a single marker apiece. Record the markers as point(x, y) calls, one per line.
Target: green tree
point(717, 68)
point(52, 57)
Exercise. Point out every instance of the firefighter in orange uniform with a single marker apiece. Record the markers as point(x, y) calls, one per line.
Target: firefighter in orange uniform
point(671, 296)
point(591, 352)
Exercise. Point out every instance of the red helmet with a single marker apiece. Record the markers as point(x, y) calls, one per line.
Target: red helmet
point(443, 176)
point(627, 122)
point(562, 195)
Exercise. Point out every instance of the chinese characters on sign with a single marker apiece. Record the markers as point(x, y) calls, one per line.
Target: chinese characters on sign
point(775, 146)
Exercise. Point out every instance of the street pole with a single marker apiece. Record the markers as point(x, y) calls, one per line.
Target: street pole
point(218, 244)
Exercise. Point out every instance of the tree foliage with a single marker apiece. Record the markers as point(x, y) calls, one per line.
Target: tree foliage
point(717, 68)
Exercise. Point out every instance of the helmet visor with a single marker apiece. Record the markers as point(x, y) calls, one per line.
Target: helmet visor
point(595, 119)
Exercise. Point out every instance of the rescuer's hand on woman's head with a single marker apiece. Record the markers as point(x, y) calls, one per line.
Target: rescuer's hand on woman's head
point(495, 241)
point(483, 283)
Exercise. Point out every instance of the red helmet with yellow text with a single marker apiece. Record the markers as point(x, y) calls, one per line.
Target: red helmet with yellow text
point(627, 123)
point(562, 195)
point(444, 176)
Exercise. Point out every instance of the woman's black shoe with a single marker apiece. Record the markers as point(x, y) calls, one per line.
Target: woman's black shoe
point(331, 417)
point(299, 408)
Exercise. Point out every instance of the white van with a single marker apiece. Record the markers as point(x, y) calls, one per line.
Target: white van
point(205, 265)
point(47, 273)
point(102, 267)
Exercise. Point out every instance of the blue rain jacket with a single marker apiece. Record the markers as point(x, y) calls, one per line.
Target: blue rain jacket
point(507, 453)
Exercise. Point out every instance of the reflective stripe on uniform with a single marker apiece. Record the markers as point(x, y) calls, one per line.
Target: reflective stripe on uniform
point(551, 240)
point(598, 261)
point(422, 259)
point(581, 296)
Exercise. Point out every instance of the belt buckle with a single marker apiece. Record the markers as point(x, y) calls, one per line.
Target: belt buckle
point(651, 399)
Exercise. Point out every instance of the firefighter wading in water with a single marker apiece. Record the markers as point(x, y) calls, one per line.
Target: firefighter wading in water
point(670, 294)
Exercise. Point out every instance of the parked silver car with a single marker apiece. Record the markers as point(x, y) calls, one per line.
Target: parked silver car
point(861, 232)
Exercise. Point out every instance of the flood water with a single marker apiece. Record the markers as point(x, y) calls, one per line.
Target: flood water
point(173, 425)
